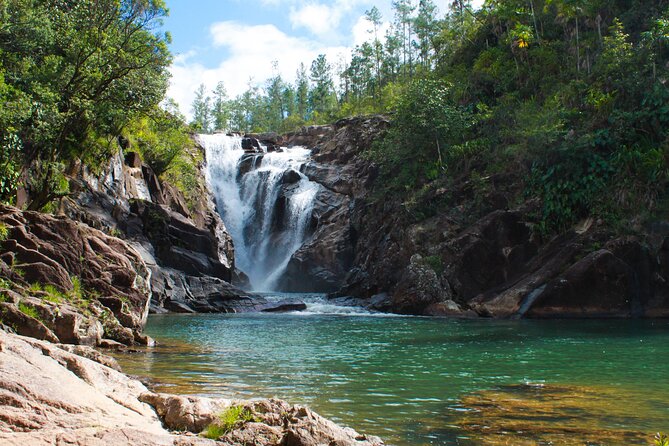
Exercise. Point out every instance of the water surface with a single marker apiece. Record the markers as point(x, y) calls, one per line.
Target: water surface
point(424, 381)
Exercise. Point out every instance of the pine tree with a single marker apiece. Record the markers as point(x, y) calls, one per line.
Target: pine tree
point(221, 108)
point(201, 110)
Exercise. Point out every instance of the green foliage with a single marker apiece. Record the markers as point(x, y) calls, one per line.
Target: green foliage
point(4, 232)
point(661, 439)
point(161, 138)
point(436, 263)
point(426, 127)
point(572, 186)
point(28, 310)
point(232, 417)
point(74, 74)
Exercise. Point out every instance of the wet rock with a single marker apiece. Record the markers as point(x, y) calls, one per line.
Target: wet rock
point(247, 163)
point(532, 414)
point(290, 177)
point(323, 261)
point(283, 306)
point(448, 309)
point(180, 293)
point(251, 145)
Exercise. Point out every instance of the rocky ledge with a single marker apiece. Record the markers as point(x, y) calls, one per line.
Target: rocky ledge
point(50, 396)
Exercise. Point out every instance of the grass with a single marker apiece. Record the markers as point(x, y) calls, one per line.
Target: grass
point(661, 439)
point(28, 311)
point(228, 420)
point(75, 296)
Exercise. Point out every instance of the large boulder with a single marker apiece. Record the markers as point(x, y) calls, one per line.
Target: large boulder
point(50, 396)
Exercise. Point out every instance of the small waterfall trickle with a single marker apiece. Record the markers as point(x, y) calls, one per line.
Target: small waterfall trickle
point(265, 202)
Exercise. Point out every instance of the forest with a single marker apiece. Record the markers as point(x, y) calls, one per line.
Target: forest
point(569, 94)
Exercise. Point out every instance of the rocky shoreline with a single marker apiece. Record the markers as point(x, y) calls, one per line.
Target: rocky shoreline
point(50, 395)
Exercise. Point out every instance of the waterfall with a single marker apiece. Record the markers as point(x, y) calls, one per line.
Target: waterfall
point(264, 201)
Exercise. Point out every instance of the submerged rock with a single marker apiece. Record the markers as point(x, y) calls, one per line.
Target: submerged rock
point(532, 414)
point(283, 306)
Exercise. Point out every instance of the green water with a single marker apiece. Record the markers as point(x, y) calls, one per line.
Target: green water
point(424, 381)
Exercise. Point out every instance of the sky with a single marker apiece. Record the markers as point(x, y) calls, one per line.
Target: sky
point(237, 41)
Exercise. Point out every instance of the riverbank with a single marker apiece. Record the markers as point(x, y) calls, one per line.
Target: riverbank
point(53, 395)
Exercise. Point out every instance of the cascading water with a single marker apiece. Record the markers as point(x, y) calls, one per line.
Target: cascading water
point(265, 202)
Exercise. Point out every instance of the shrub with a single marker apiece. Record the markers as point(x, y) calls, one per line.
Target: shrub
point(4, 232)
point(228, 420)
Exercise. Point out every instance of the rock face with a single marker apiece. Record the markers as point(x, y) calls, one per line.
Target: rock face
point(49, 396)
point(323, 262)
point(64, 281)
point(273, 422)
point(189, 252)
point(472, 255)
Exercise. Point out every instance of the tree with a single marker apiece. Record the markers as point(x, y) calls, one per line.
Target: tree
point(276, 109)
point(403, 11)
point(373, 16)
point(87, 67)
point(302, 93)
point(201, 110)
point(321, 96)
point(221, 108)
point(425, 25)
point(426, 124)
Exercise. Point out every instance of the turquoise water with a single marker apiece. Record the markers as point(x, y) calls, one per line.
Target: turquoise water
point(425, 381)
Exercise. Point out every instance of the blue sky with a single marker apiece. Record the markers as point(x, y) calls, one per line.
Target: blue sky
point(236, 41)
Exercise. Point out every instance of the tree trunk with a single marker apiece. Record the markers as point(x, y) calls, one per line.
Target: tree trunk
point(534, 19)
point(578, 48)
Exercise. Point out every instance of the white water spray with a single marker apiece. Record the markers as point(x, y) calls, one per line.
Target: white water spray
point(265, 202)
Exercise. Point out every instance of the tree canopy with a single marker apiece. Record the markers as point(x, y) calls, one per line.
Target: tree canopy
point(74, 74)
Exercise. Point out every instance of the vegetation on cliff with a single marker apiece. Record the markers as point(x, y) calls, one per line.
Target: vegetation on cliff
point(567, 96)
point(74, 76)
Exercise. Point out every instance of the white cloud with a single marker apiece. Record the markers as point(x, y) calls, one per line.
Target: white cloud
point(319, 19)
point(323, 19)
point(250, 51)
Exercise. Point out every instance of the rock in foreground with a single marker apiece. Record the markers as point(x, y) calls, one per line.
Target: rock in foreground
point(49, 396)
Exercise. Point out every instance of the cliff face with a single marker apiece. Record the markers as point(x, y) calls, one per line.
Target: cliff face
point(324, 261)
point(188, 249)
point(477, 255)
point(63, 281)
